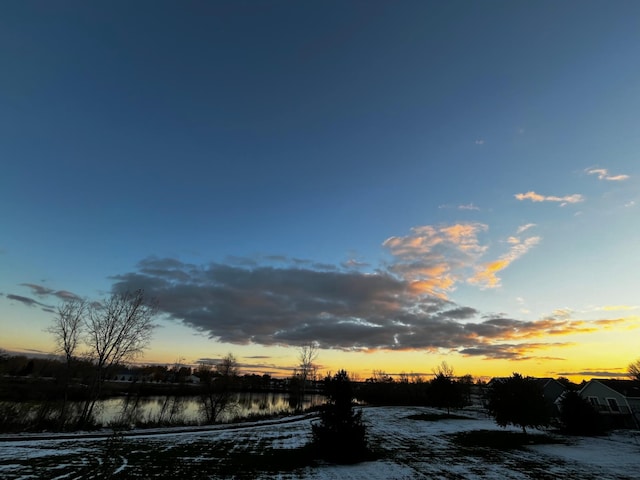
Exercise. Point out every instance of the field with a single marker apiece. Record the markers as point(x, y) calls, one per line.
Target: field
point(408, 443)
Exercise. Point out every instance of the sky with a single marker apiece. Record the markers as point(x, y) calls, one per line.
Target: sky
point(400, 183)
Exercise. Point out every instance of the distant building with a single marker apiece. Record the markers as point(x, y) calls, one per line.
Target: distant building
point(552, 390)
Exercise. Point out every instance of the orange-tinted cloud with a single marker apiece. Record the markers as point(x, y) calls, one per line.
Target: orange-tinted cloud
point(435, 258)
point(603, 174)
point(432, 258)
point(486, 275)
point(536, 197)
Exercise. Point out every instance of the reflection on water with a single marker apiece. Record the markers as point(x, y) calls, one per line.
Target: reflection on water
point(172, 410)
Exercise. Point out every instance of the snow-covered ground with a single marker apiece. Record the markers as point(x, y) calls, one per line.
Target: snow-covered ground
point(410, 449)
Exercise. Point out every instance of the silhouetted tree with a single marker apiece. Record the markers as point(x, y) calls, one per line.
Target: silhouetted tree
point(217, 387)
point(67, 330)
point(577, 415)
point(465, 383)
point(305, 372)
point(444, 391)
point(519, 401)
point(118, 330)
point(634, 370)
point(340, 436)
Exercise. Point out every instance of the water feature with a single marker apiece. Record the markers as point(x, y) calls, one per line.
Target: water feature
point(187, 409)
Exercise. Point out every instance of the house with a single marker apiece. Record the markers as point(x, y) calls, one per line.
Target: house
point(552, 390)
point(618, 401)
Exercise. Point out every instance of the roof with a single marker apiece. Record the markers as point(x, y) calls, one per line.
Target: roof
point(627, 388)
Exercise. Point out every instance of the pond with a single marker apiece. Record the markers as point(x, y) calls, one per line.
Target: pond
point(187, 409)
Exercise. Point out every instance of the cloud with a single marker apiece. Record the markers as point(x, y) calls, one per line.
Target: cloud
point(525, 227)
point(433, 258)
point(43, 292)
point(468, 206)
point(479, 141)
point(346, 310)
point(602, 372)
point(30, 302)
point(603, 174)
point(536, 197)
point(353, 263)
point(464, 206)
point(509, 351)
point(486, 275)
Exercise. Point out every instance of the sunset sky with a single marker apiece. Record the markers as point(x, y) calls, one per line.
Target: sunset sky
point(404, 183)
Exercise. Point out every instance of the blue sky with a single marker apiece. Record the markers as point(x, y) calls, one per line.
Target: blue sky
point(478, 155)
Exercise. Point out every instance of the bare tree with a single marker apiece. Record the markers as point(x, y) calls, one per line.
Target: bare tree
point(67, 330)
point(307, 355)
point(228, 366)
point(443, 370)
point(634, 370)
point(217, 387)
point(307, 370)
point(67, 327)
point(118, 330)
point(444, 391)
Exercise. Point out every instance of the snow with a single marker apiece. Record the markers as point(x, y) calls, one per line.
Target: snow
point(411, 449)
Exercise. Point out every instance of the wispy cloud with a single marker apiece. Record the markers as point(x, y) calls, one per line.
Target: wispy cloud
point(353, 263)
point(479, 141)
point(525, 227)
point(433, 258)
point(468, 206)
point(43, 292)
point(536, 197)
point(486, 274)
point(596, 372)
point(464, 206)
point(30, 302)
point(603, 174)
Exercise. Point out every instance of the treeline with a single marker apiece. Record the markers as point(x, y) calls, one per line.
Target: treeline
point(444, 390)
point(24, 378)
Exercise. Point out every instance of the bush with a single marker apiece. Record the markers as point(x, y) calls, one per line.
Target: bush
point(340, 436)
point(578, 417)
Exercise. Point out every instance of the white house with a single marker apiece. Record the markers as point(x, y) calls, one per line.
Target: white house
point(617, 400)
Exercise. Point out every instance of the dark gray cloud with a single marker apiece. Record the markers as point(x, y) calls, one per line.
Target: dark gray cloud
point(42, 291)
point(602, 373)
point(249, 367)
point(296, 304)
point(38, 290)
point(26, 300)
